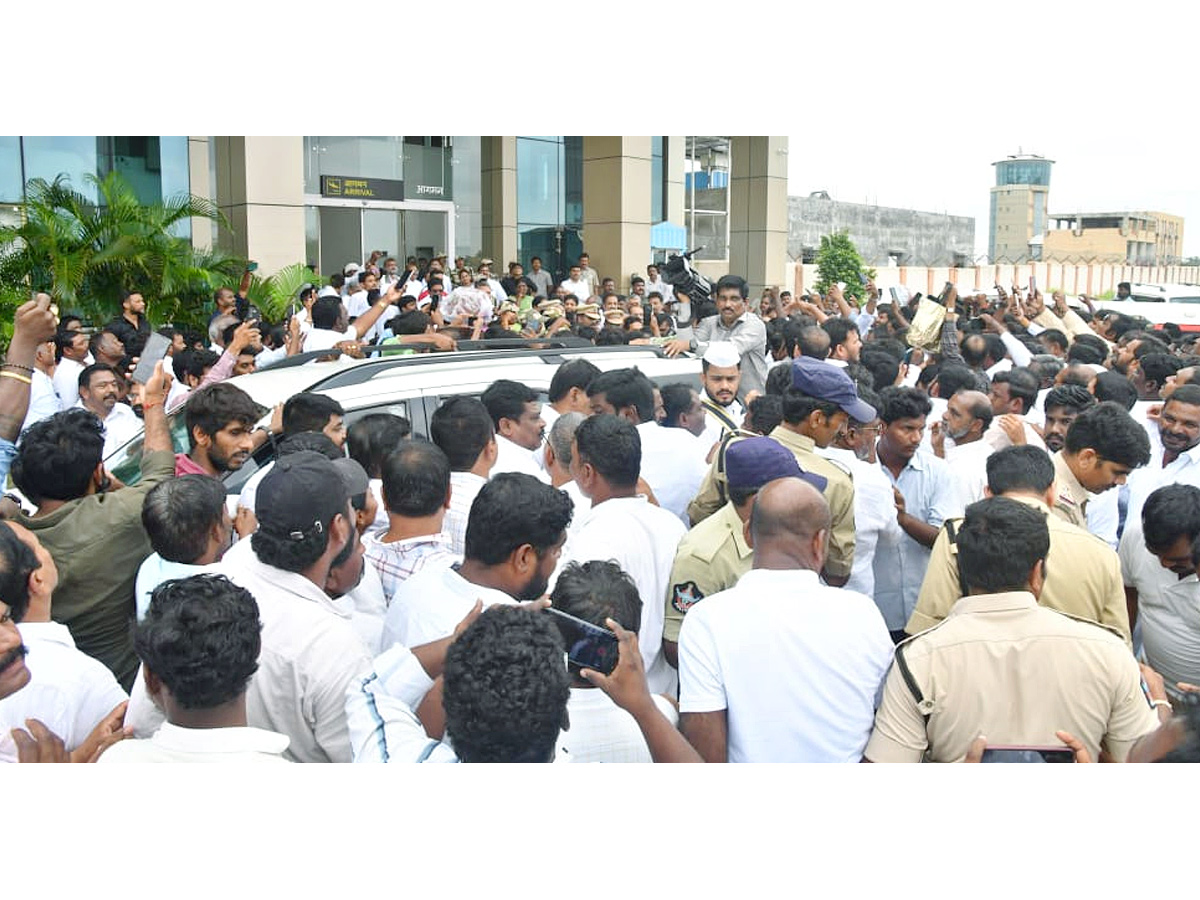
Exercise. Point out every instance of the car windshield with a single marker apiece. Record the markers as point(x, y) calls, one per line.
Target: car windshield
point(126, 463)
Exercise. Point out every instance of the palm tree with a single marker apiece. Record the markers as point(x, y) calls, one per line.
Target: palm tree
point(274, 295)
point(84, 253)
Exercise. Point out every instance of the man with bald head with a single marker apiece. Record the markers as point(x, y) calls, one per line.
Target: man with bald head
point(781, 668)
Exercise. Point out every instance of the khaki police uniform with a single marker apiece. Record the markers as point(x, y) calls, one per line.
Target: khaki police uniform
point(714, 489)
point(1071, 503)
point(1083, 577)
point(711, 558)
point(1002, 666)
point(839, 493)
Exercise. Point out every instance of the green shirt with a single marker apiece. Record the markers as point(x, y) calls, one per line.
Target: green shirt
point(98, 543)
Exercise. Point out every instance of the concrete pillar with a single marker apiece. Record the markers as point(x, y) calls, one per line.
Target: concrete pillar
point(673, 162)
point(200, 185)
point(260, 189)
point(758, 226)
point(616, 205)
point(498, 176)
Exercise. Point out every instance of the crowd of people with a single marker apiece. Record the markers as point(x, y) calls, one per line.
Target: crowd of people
point(855, 539)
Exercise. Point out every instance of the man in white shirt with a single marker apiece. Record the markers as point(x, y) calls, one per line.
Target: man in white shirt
point(622, 526)
point(845, 343)
point(1158, 565)
point(516, 413)
point(655, 284)
point(874, 504)
point(672, 460)
point(1012, 395)
point(330, 326)
point(738, 703)
point(1175, 456)
point(462, 427)
point(499, 677)
point(568, 393)
point(199, 647)
point(720, 372)
point(72, 347)
point(515, 535)
point(69, 692)
point(43, 399)
point(576, 286)
point(189, 528)
point(600, 730)
point(416, 494)
point(98, 391)
point(558, 465)
point(967, 418)
point(498, 294)
point(311, 651)
point(390, 274)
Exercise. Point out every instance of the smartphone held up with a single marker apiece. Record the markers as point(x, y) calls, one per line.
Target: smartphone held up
point(588, 646)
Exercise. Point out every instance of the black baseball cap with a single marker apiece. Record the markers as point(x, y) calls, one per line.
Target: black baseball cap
point(300, 496)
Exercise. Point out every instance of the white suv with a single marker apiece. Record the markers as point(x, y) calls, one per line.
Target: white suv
point(1160, 303)
point(410, 386)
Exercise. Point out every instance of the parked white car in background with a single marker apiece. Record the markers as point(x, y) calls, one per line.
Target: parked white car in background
point(1160, 303)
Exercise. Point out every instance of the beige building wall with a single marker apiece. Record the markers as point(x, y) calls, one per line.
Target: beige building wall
point(1168, 237)
point(200, 184)
point(498, 164)
point(1146, 238)
point(758, 216)
point(616, 205)
point(260, 189)
point(1013, 225)
point(1102, 245)
point(673, 202)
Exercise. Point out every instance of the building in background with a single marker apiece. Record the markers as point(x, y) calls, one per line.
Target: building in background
point(156, 167)
point(329, 200)
point(1127, 238)
point(1017, 220)
point(883, 235)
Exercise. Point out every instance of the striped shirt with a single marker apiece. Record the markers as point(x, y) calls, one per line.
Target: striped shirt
point(464, 486)
point(397, 561)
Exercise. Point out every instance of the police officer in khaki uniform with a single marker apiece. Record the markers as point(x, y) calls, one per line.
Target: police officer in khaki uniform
point(714, 555)
point(1103, 445)
point(1003, 666)
point(818, 406)
point(1083, 574)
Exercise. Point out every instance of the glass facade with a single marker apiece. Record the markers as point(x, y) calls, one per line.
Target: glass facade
point(156, 167)
point(412, 170)
point(466, 157)
point(550, 201)
point(12, 187)
point(424, 163)
point(1023, 171)
point(706, 169)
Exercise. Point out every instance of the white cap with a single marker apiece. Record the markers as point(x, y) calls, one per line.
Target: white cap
point(722, 354)
point(328, 291)
point(351, 268)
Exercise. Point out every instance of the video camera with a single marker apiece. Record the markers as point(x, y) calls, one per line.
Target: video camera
point(677, 271)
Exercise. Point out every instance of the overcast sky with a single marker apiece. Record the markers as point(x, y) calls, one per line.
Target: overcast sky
point(1090, 174)
point(901, 105)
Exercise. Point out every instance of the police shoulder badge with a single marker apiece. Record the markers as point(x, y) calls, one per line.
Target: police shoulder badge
point(685, 596)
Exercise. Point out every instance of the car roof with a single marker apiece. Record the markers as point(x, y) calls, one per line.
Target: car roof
point(346, 379)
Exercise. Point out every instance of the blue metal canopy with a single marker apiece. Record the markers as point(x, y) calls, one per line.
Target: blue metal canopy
point(665, 236)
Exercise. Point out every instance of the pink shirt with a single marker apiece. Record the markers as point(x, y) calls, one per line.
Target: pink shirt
point(185, 465)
